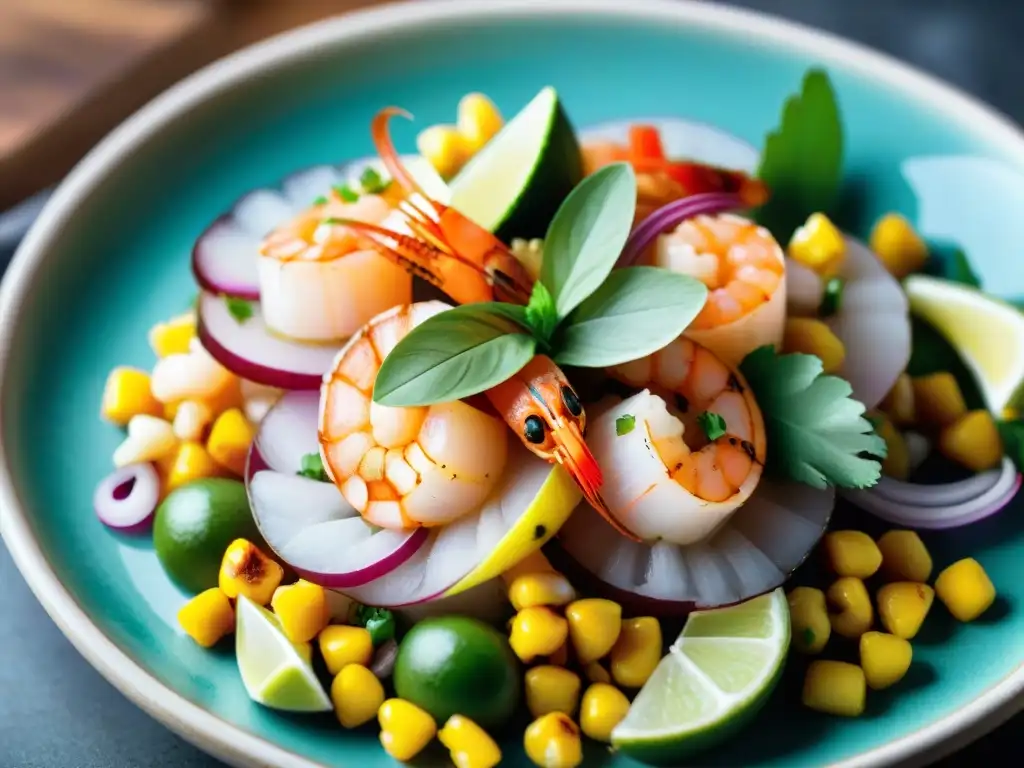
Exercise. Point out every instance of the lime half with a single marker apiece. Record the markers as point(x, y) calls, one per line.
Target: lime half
point(715, 677)
point(987, 332)
point(276, 674)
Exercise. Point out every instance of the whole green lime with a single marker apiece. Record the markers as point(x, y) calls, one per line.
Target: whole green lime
point(195, 524)
point(457, 665)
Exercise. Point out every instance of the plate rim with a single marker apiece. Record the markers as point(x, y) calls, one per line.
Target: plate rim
point(208, 731)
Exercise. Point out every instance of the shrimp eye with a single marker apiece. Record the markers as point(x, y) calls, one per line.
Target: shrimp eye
point(571, 401)
point(533, 430)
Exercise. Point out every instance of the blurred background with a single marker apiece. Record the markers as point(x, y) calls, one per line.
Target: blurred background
point(71, 70)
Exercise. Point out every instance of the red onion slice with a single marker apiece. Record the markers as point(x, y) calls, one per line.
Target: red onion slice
point(672, 215)
point(127, 498)
point(248, 349)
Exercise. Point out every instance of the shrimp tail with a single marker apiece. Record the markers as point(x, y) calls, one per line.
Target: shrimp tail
point(389, 156)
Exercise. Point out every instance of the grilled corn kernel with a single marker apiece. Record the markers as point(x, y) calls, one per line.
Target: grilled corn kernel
point(149, 439)
point(808, 617)
point(812, 337)
point(536, 632)
point(902, 607)
point(190, 420)
point(207, 617)
point(341, 644)
point(896, 463)
point(247, 571)
point(533, 589)
point(852, 553)
point(603, 707)
point(478, 120)
point(884, 658)
point(637, 651)
point(127, 394)
point(357, 695)
point(405, 729)
point(898, 405)
point(835, 687)
point(818, 245)
point(855, 615)
point(302, 609)
point(965, 589)
point(553, 741)
point(468, 744)
point(173, 337)
point(230, 439)
point(191, 462)
point(938, 400)
point(898, 246)
point(444, 148)
point(973, 441)
point(552, 689)
point(594, 626)
point(904, 557)
point(595, 673)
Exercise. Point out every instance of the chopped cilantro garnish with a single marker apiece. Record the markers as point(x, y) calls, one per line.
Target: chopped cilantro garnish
point(240, 309)
point(379, 622)
point(832, 299)
point(331, 221)
point(320, 200)
point(371, 182)
point(312, 466)
point(625, 424)
point(1012, 432)
point(712, 424)
point(346, 193)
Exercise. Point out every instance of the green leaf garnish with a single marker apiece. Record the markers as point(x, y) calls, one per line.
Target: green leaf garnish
point(712, 424)
point(541, 315)
point(320, 200)
point(331, 221)
point(816, 431)
point(636, 311)
point(379, 622)
point(625, 424)
point(958, 269)
point(832, 299)
point(455, 354)
point(371, 182)
point(312, 466)
point(1012, 433)
point(240, 309)
point(346, 193)
point(802, 161)
point(587, 234)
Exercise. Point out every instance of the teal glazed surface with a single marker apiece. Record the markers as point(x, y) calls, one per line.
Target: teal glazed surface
point(122, 263)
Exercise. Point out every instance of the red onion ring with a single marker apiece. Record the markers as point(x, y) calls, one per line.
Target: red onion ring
point(127, 498)
point(672, 215)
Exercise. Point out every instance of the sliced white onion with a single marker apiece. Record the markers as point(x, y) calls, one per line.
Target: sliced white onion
point(127, 498)
point(284, 437)
point(804, 289)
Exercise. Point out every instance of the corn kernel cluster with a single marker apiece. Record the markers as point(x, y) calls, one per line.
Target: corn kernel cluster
point(449, 147)
point(903, 602)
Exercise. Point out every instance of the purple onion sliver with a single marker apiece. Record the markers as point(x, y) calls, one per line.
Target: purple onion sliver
point(671, 215)
point(127, 498)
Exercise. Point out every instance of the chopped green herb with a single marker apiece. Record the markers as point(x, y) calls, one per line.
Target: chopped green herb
point(312, 466)
point(379, 622)
point(240, 309)
point(625, 424)
point(832, 300)
point(957, 268)
point(541, 314)
point(808, 637)
point(331, 221)
point(1012, 432)
point(371, 182)
point(320, 200)
point(712, 424)
point(346, 193)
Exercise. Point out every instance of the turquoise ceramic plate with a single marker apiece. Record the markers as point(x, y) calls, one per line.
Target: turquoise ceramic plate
point(109, 256)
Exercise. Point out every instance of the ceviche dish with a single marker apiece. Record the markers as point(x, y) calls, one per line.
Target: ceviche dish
point(513, 445)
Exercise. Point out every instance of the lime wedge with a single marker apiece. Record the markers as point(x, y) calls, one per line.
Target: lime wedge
point(987, 332)
point(714, 678)
point(274, 671)
point(513, 186)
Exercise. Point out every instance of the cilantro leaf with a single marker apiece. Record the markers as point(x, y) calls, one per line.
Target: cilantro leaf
point(712, 424)
point(346, 193)
point(371, 182)
point(321, 200)
point(957, 268)
point(379, 622)
point(802, 160)
point(816, 431)
point(312, 466)
point(541, 314)
point(240, 309)
point(1012, 432)
point(625, 424)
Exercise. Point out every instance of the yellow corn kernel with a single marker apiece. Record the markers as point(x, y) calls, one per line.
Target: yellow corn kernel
point(812, 337)
point(904, 556)
point(533, 589)
point(852, 553)
point(603, 707)
point(207, 617)
point(173, 337)
point(898, 246)
point(938, 400)
point(444, 148)
point(357, 695)
point(191, 462)
point(818, 245)
point(973, 441)
point(302, 610)
point(902, 607)
point(478, 120)
point(637, 651)
point(965, 589)
point(808, 617)
point(535, 562)
point(595, 673)
point(305, 651)
point(127, 394)
point(896, 463)
point(553, 741)
point(855, 614)
point(341, 644)
point(229, 441)
point(898, 405)
point(536, 632)
point(884, 658)
point(552, 689)
point(594, 626)
point(835, 687)
point(247, 571)
point(405, 729)
point(468, 744)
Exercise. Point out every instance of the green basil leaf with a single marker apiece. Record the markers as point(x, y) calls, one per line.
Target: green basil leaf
point(637, 311)
point(455, 354)
point(587, 234)
point(541, 315)
point(625, 424)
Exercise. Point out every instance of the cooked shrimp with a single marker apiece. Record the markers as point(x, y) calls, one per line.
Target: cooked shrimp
point(665, 479)
point(320, 280)
point(744, 269)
